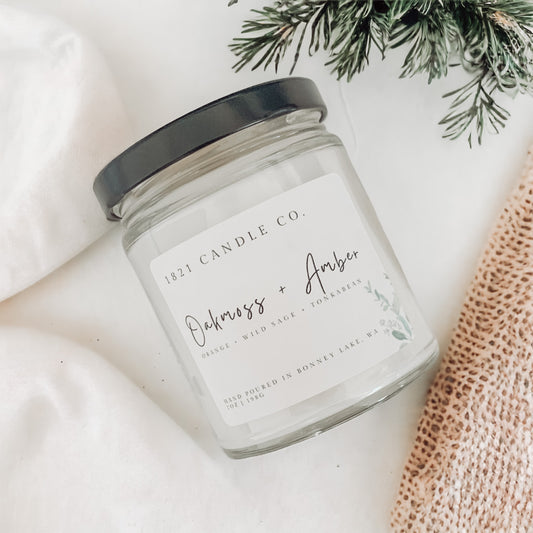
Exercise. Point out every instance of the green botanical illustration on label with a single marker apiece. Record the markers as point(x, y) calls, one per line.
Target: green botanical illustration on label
point(398, 324)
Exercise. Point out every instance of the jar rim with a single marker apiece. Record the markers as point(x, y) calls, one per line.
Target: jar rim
point(199, 128)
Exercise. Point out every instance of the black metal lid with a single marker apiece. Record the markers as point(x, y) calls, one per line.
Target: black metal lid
point(201, 127)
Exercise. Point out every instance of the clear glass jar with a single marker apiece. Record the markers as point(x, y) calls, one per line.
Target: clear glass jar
point(269, 270)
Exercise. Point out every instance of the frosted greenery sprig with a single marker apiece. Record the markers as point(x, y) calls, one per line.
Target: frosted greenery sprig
point(400, 328)
point(491, 39)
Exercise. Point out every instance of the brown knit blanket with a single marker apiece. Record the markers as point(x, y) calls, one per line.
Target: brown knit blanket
point(471, 466)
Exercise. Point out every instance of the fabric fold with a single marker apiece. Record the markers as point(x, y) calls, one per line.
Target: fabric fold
point(83, 449)
point(61, 121)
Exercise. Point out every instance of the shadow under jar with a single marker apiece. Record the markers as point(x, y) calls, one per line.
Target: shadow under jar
point(265, 263)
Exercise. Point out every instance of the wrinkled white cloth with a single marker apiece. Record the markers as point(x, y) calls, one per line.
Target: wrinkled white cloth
point(84, 450)
point(61, 120)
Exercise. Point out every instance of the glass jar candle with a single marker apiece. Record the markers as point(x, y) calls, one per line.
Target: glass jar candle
point(264, 261)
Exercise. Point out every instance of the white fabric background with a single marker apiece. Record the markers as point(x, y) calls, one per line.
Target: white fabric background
point(84, 450)
point(140, 453)
point(62, 119)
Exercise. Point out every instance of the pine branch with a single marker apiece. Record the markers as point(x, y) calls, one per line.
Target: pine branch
point(431, 33)
point(277, 27)
point(358, 26)
point(492, 39)
point(498, 36)
point(473, 108)
point(497, 48)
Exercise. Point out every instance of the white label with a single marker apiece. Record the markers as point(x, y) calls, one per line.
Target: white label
point(282, 301)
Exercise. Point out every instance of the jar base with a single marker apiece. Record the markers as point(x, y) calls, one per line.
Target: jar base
point(316, 428)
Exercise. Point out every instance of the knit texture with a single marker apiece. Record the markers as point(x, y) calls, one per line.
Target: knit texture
point(471, 466)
